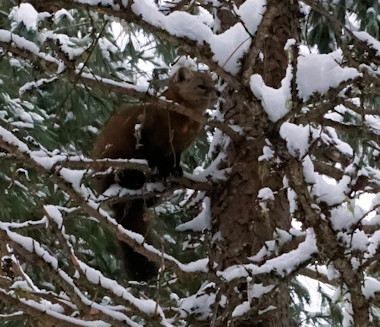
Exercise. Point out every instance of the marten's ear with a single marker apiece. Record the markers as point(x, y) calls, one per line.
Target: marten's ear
point(182, 74)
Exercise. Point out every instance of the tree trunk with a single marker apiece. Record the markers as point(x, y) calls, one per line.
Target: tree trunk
point(244, 221)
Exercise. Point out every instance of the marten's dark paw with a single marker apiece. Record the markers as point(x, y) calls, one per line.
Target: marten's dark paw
point(131, 179)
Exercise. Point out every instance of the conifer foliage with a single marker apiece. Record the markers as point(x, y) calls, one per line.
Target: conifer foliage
point(280, 192)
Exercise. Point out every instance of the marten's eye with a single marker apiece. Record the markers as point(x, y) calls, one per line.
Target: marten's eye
point(202, 87)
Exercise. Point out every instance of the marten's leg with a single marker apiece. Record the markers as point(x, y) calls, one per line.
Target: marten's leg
point(132, 216)
point(132, 179)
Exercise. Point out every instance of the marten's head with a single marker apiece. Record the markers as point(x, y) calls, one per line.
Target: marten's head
point(192, 89)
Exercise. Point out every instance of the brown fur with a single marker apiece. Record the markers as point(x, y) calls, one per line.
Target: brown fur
point(164, 135)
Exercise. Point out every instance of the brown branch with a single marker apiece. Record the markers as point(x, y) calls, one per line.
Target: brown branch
point(321, 105)
point(118, 87)
point(86, 309)
point(48, 65)
point(328, 169)
point(138, 247)
point(54, 176)
point(78, 163)
point(308, 272)
point(83, 280)
point(171, 184)
point(124, 88)
point(352, 129)
point(42, 316)
point(201, 51)
point(249, 60)
point(329, 247)
point(33, 257)
point(174, 5)
point(131, 91)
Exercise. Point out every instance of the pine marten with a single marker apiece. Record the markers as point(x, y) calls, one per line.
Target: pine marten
point(160, 138)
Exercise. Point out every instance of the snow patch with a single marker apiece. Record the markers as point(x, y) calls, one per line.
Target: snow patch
point(200, 222)
point(317, 73)
point(25, 14)
point(275, 101)
point(370, 40)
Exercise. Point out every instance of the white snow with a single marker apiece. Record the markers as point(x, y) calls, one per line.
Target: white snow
point(268, 153)
point(22, 43)
point(106, 47)
point(374, 123)
point(331, 137)
point(289, 43)
point(317, 73)
point(266, 194)
point(14, 225)
point(283, 264)
point(55, 214)
point(26, 14)
point(297, 138)
point(359, 241)
point(374, 244)
point(205, 17)
point(345, 216)
point(269, 308)
point(30, 245)
point(141, 86)
point(13, 314)
point(370, 40)
point(200, 222)
point(228, 47)
point(19, 41)
point(73, 321)
point(331, 192)
point(283, 236)
point(14, 62)
point(332, 273)
point(74, 177)
point(257, 290)
point(308, 170)
point(265, 250)
point(35, 84)
point(371, 286)
point(241, 309)
point(23, 285)
point(195, 266)
point(348, 314)
point(63, 13)
point(66, 44)
point(198, 304)
point(251, 12)
point(276, 102)
point(11, 139)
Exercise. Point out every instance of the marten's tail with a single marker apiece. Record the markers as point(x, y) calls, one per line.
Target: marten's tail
point(131, 215)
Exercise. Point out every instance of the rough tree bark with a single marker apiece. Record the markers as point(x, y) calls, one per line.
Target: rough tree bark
point(244, 225)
